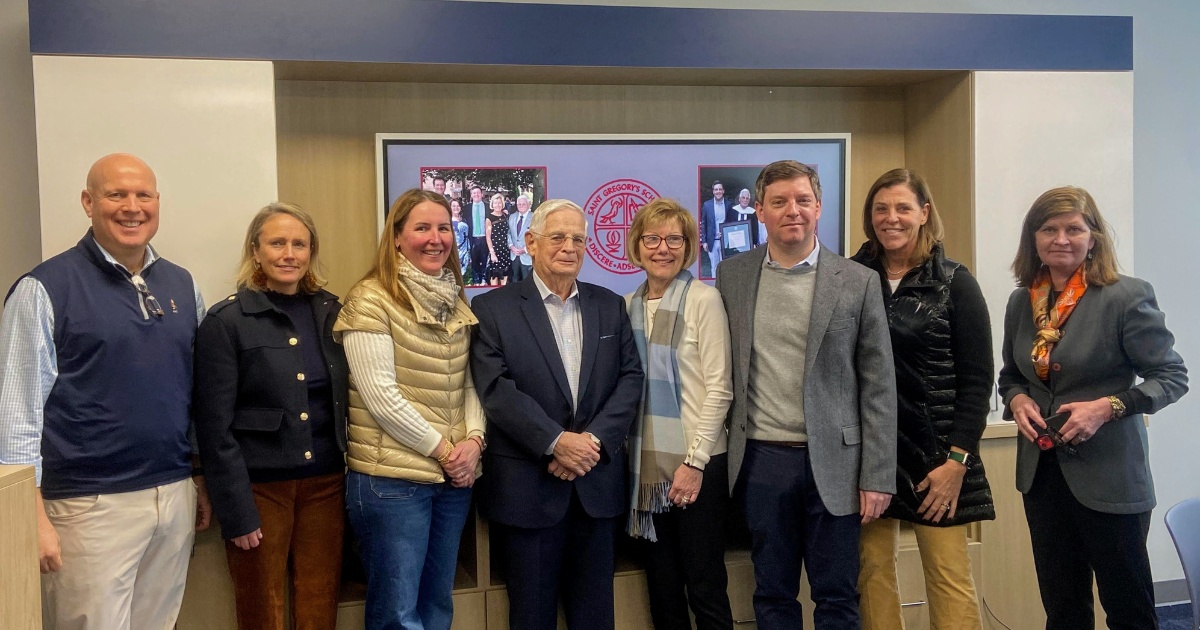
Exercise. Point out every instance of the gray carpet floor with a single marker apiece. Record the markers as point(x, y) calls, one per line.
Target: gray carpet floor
point(1177, 617)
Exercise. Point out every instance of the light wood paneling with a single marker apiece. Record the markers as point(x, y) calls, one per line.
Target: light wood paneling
point(591, 75)
point(21, 592)
point(938, 120)
point(1010, 586)
point(326, 134)
point(208, 598)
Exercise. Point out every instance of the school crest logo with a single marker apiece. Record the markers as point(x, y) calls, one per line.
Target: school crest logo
point(610, 212)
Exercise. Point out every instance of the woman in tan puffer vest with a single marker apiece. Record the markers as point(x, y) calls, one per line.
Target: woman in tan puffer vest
point(416, 428)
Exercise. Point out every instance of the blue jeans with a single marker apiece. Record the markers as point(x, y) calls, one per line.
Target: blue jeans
point(408, 536)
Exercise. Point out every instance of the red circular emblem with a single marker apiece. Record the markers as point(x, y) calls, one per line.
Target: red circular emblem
point(610, 212)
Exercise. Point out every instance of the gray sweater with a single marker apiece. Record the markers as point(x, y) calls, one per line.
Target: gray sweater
point(775, 387)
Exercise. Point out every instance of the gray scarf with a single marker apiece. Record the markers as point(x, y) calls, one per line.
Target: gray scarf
point(438, 295)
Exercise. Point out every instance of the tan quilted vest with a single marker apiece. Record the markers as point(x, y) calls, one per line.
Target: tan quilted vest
point(431, 371)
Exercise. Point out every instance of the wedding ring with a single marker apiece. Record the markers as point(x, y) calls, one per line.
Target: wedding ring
point(563, 476)
point(945, 506)
point(685, 499)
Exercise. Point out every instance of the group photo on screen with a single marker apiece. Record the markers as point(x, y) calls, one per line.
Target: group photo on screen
point(728, 225)
point(491, 208)
point(494, 184)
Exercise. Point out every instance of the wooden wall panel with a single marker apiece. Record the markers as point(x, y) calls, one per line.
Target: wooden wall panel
point(20, 583)
point(326, 134)
point(938, 123)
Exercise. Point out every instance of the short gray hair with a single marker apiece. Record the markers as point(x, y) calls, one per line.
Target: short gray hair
point(549, 207)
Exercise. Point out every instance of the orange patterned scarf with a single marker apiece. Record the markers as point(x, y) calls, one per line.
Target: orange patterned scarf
point(1049, 321)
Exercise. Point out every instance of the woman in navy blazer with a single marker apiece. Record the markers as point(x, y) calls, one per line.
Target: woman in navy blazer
point(1077, 335)
point(270, 399)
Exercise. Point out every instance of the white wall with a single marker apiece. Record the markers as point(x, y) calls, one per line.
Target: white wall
point(1035, 131)
point(19, 236)
point(207, 128)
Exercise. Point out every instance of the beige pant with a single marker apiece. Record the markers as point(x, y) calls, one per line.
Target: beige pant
point(949, 587)
point(124, 559)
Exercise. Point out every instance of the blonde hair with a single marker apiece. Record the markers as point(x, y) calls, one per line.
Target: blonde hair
point(386, 268)
point(658, 212)
point(1101, 265)
point(247, 268)
point(928, 234)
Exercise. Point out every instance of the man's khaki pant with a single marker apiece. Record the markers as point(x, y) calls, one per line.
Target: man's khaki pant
point(125, 559)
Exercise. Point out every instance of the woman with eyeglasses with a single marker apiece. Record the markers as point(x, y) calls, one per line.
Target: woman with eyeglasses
point(678, 467)
point(270, 412)
point(1078, 337)
point(416, 429)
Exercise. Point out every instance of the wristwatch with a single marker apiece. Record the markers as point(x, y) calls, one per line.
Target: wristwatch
point(1118, 407)
point(962, 458)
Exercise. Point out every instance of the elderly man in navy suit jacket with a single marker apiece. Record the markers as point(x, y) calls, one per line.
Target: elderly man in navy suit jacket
point(560, 380)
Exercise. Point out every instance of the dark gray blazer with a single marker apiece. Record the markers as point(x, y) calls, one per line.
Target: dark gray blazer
point(1115, 334)
point(849, 378)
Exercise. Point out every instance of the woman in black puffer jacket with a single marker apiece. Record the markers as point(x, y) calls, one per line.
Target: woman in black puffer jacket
point(941, 341)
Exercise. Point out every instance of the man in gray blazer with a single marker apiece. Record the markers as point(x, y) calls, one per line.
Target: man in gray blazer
point(812, 430)
point(518, 225)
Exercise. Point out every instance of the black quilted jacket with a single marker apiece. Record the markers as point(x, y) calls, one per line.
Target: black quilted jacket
point(933, 412)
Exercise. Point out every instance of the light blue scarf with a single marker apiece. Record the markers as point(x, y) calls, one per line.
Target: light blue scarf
point(657, 443)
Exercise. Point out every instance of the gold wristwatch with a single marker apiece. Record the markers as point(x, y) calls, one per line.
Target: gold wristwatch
point(1118, 407)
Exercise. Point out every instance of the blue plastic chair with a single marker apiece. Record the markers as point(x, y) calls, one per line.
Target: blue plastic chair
point(1183, 521)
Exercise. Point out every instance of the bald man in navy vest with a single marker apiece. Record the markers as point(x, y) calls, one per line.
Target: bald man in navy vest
point(95, 390)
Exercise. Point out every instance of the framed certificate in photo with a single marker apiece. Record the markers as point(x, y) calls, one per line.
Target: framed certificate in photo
point(737, 237)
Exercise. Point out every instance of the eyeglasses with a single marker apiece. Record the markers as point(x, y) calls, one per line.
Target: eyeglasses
point(148, 302)
point(674, 241)
point(557, 239)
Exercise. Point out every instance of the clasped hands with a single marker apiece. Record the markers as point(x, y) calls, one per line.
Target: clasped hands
point(575, 455)
point(460, 466)
point(1086, 418)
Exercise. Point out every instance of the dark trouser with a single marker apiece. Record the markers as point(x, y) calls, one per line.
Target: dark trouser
point(479, 260)
point(1071, 542)
point(573, 558)
point(301, 548)
point(686, 566)
point(519, 271)
point(789, 526)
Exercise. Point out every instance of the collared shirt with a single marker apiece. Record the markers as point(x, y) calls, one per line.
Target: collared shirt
point(29, 365)
point(810, 260)
point(567, 321)
point(719, 215)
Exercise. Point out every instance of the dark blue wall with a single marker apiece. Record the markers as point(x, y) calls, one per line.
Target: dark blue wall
point(440, 31)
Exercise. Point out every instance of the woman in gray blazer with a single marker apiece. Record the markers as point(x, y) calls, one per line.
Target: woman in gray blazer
point(1077, 335)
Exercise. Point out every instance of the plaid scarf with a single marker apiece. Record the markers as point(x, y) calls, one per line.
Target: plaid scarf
point(1049, 321)
point(656, 443)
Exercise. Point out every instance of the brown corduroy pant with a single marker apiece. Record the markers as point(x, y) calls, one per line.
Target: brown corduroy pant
point(301, 548)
